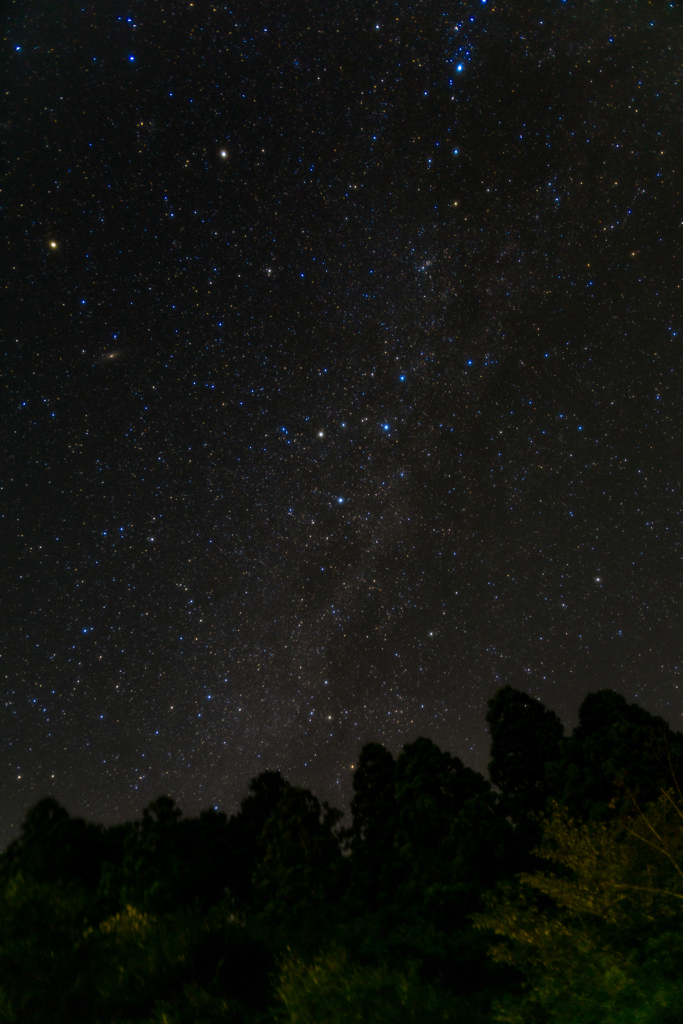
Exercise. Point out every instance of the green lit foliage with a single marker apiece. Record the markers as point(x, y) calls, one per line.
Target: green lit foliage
point(45, 960)
point(183, 966)
point(170, 920)
point(598, 936)
point(197, 1006)
point(332, 990)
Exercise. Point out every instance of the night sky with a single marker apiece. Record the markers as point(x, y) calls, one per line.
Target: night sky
point(342, 374)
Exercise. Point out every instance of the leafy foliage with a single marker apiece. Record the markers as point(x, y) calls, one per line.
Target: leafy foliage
point(599, 936)
point(331, 990)
point(555, 898)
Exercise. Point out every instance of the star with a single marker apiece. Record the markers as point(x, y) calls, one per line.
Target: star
point(184, 432)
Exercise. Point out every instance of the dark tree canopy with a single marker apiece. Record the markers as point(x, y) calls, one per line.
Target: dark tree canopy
point(245, 828)
point(374, 805)
point(617, 751)
point(175, 920)
point(300, 858)
point(371, 838)
point(525, 737)
point(53, 845)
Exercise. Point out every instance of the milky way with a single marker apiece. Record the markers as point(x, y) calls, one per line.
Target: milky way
point(343, 377)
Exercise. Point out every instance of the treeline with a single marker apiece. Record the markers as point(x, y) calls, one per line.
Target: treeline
point(551, 893)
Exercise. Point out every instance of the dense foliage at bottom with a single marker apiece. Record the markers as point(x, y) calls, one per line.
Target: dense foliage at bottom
point(555, 897)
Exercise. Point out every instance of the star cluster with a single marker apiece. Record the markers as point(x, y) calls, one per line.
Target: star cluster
point(342, 383)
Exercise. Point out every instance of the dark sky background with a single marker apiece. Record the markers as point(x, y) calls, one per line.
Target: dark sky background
point(342, 375)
